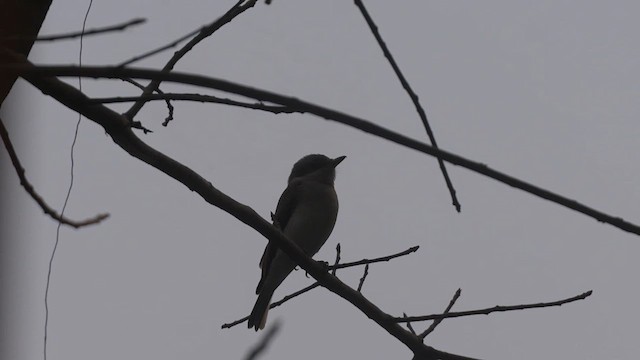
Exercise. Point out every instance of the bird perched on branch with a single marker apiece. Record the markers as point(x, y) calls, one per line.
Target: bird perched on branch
point(306, 213)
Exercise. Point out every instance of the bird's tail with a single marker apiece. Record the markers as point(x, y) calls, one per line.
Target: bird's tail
point(258, 317)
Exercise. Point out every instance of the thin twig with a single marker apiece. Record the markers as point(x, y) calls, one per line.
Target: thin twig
point(335, 263)
point(240, 7)
point(170, 107)
point(162, 48)
point(160, 93)
point(438, 321)
point(276, 109)
point(274, 304)
point(30, 72)
point(376, 260)
point(497, 308)
point(266, 339)
point(34, 195)
point(409, 326)
point(363, 278)
point(75, 34)
point(134, 83)
point(412, 95)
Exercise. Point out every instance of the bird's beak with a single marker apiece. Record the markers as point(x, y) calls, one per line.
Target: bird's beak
point(337, 160)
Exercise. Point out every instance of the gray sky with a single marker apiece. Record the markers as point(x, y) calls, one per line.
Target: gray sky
point(546, 91)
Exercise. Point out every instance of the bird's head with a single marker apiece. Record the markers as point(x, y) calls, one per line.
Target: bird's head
point(316, 166)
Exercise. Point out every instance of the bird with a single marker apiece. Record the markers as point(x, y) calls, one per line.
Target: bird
point(306, 214)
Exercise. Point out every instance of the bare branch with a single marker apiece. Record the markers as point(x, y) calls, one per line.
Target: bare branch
point(276, 109)
point(334, 268)
point(170, 107)
point(161, 48)
point(375, 260)
point(326, 113)
point(412, 95)
point(174, 42)
point(294, 294)
point(274, 304)
point(438, 321)
point(134, 83)
point(96, 31)
point(496, 308)
point(31, 191)
point(240, 7)
point(118, 127)
point(409, 326)
point(335, 263)
point(364, 276)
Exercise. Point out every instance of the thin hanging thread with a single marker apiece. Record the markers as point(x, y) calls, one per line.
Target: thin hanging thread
point(66, 200)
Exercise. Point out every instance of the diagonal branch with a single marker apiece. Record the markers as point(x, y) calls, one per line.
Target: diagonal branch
point(363, 278)
point(409, 326)
point(32, 192)
point(161, 48)
point(326, 113)
point(240, 7)
point(497, 308)
point(273, 304)
point(117, 126)
point(412, 95)
point(437, 322)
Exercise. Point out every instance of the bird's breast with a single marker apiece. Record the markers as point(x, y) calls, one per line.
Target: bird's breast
point(314, 217)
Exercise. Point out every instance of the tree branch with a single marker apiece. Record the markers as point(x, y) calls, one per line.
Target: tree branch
point(375, 260)
point(333, 269)
point(96, 31)
point(363, 278)
point(275, 109)
point(160, 49)
point(170, 107)
point(329, 114)
point(337, 261)
point(409, 326)
point(437, 322)
point(117, 126)
point(496, 308)
point(240, 7)
point(414, 97)
point(273, 304)
point(32, 192)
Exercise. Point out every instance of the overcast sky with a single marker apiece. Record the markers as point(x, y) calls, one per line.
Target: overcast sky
point(546, 91)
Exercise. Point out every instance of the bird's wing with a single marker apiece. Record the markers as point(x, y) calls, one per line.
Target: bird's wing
point(286, 205)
